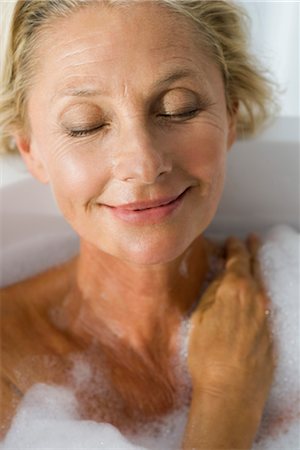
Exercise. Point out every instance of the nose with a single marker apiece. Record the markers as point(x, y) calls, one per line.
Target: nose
point(140, 158)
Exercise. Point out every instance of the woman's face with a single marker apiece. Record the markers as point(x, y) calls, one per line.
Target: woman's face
point(129, 125)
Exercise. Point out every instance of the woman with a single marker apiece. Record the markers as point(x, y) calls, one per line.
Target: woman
point(128, 109)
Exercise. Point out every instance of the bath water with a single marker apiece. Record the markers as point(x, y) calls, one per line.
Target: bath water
point(48, 416)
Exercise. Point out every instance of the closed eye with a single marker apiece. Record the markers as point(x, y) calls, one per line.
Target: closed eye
point(81, 132)
point(180, 115)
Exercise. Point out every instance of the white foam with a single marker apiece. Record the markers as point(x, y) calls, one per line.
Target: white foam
point(281, 268)
point(48, 419)
point(81, 372)
point(285, 440)
point(48, 415)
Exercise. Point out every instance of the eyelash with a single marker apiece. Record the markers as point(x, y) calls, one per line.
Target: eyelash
point(184, 115)
point(84, 132)
point(89, 131)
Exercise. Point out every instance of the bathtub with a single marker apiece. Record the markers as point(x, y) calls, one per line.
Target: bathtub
point(261, 190)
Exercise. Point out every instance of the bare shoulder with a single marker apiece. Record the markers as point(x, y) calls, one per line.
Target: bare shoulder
point(54, 281)
point(27, 334)
point(23, 306)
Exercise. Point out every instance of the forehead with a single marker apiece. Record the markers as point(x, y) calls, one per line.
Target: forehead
point(142, 41)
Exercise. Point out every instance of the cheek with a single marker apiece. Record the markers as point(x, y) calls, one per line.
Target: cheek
point(73, 174)
point(204, 156)
point(75, 179)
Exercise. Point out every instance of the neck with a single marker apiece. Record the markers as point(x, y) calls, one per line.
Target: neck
point(120, 300)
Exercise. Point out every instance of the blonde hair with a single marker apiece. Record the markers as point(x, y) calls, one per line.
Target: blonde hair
point(223, 27)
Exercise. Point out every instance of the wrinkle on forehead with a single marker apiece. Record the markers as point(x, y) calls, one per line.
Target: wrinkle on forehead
point(80, 51)
point(78, 61)
point(92, 48)
point(76, 52)
point(79, 85)
point(166, 68)
point(174, 33)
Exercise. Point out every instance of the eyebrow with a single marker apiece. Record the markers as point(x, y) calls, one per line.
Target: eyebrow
point(168, 79)
point(175, 76)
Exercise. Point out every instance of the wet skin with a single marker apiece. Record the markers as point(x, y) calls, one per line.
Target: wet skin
point(116, 120)
point(158, 128)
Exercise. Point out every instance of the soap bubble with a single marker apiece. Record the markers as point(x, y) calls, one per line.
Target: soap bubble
point(48, 416)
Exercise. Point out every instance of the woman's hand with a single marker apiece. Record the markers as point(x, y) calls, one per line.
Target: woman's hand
point(231, 356)
point(230, 344)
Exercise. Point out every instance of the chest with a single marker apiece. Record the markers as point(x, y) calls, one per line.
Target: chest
point(119, 387)
point(127, 392)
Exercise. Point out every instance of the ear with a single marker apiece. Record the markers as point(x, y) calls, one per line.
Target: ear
point(32, 158)
point(232, 126)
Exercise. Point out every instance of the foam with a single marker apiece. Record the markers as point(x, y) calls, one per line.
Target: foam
point(48, 416)
point(48, 419)
point(280, 265)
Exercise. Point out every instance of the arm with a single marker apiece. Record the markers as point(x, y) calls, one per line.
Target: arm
point(220, 422)
point(10, 396)
point(231, 357)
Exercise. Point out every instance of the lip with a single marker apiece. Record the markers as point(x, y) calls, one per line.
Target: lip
point(149, 204)
point(149, 212)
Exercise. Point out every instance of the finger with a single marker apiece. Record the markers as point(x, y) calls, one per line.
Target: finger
point(237, 256)
point(208, 298)
point(209, 294)
point(254, 245)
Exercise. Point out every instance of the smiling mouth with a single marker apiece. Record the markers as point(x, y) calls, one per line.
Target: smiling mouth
point(150, 204)
point(150, 212)
point(160, 204)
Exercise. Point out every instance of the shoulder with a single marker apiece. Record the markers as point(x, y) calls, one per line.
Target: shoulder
point(40, 289)
point(27, 333)
point(24, 305)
